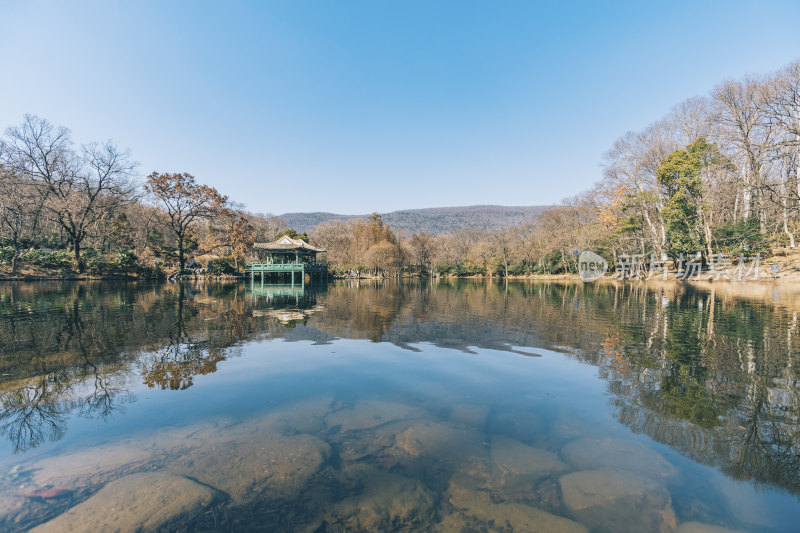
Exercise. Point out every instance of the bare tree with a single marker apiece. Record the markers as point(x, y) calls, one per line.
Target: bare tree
point(267, 226)
point(422, 247)
point(692, 119)
point(740, 113)
point(337, 237)
point(631, 163)
point(185, 201)
point(19, 212)
point(781, 98)
point(77, 190)
point(503, 243)
point(231, 230)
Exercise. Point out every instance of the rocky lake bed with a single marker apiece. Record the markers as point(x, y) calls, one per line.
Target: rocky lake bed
point(326, 465)
point(456, 408)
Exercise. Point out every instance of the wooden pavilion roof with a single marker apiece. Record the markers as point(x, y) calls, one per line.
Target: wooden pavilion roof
point(287, 244)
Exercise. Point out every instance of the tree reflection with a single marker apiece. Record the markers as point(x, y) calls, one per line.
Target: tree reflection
point(709, 371)
point(73, 349)
point(32, 414)
point(176, 367)
point(106, 394)
point(715, 382)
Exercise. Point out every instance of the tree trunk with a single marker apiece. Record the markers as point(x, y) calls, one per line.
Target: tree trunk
point(181, 259)
point(785, 201)
point(653, 229)
point(746, 192)
point(76, 249)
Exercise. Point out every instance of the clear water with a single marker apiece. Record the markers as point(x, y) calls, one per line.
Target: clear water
point(450, 406)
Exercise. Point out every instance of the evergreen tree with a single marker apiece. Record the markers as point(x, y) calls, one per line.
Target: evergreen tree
point(680, 176)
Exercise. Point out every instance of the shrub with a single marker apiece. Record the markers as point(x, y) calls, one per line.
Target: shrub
point(221, 266)
point(742, 237)
point(125, 262)
point(155, 271)
point(95, 264)
point(48, 259)
point(465, 268)
point(444, 270)
point(6, 254)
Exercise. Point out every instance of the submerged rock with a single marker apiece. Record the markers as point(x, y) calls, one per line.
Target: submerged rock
point(517, 459)
point(271, 466)
point(520, 517)
point(379, 441)
point(439, 440)
point(518, 423)
point(454, 523)
point(92, 466)
point(370, 414)
point(566, 429)
point(139, 502)
point(616, 454)
point(477, 507)
point(745, 503)
point(385, 501)
point(698, 527)
point(45, 494)
point(472, 415)
point(307, 416)
point(608, 501)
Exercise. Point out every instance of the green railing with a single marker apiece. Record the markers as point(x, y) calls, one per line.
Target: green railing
point(277, 267)
point(274, 266)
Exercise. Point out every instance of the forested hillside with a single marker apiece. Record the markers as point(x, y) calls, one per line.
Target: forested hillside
point(434, 220)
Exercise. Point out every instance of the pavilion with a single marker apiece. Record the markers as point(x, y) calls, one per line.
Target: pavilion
point(283, 259)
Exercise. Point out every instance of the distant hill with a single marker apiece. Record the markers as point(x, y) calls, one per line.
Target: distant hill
point(433, 220)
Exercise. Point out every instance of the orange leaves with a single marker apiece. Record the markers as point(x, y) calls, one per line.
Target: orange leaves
point(183, 196)
point(184, 200)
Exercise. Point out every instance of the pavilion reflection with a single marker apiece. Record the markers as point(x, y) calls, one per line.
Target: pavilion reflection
point(711, 372)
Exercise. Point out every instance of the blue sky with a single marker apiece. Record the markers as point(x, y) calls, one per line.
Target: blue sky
point(354, 107)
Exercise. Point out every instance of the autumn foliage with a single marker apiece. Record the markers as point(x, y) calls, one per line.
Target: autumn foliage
point(184, 201)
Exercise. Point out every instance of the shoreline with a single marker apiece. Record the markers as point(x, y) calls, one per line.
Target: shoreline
point(793, 278)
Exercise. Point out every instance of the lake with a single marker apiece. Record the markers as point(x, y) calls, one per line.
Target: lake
point(452, 406)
